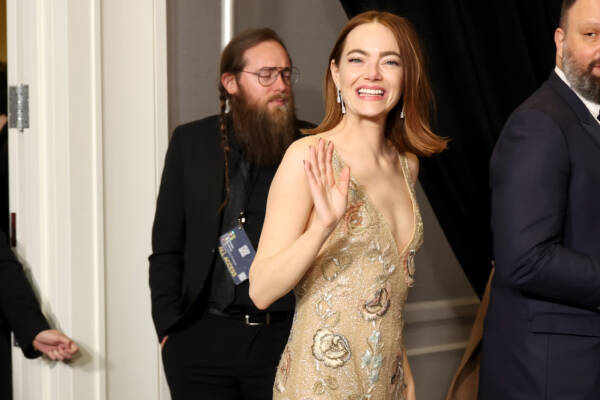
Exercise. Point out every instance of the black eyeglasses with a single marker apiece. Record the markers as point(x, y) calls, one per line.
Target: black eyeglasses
point(268, 75)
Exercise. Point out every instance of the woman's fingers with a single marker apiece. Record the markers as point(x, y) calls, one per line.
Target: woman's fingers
point(312, 181)
point(328, 167)
point(314, 166)
point(321, 160)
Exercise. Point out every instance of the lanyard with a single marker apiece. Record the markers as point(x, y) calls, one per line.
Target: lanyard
point(249, 174)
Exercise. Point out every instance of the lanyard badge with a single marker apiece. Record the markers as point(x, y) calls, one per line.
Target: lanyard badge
point(237, 253)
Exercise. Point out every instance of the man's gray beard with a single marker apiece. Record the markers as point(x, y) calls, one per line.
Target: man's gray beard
point(581, 78)
point(263, 135)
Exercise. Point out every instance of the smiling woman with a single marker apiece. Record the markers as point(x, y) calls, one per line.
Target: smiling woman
point(345, 243)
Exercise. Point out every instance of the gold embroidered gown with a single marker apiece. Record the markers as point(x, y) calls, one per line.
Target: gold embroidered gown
point(346, 340)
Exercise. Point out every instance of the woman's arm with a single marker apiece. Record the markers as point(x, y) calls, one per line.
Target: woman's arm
point(289, 242)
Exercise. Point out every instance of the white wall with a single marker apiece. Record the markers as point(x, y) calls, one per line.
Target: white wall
point(134, 141)
point(83, 183)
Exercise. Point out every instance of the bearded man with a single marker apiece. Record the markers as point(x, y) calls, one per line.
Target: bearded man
point(542, 331)
point(215, 343)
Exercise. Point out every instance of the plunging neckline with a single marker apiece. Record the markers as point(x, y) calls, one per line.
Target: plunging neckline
point(382, 218)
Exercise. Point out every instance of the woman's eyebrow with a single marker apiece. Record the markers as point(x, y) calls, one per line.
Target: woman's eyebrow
point(382, 54)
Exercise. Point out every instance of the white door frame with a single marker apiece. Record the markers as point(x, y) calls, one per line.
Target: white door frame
point(74, 231)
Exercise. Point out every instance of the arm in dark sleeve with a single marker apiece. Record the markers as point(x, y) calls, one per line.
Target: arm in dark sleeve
point(168, 237)
point(530, 172)
point(19, 307)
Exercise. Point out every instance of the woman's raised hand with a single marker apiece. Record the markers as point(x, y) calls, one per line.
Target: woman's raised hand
point(330, 199)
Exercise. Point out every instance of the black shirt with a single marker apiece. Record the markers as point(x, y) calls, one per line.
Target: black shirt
point(249, 189)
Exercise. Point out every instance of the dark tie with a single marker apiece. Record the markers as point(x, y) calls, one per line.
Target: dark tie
point(598, 117)
point(223, 288)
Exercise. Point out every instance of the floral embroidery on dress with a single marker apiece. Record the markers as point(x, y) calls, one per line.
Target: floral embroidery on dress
point(410, 267)
point(376, 305)
point(336, 264)
point(330, 348)
point(356, 218)
point(383, 257)
point(319, 388)
point(283, 370)
point(324, 310)
point(329, 382)
point(397, 381)
point(372, 359)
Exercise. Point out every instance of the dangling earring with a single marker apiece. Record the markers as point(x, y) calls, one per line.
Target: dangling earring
point(340, 100)
point(227, 106)
point(402, 112)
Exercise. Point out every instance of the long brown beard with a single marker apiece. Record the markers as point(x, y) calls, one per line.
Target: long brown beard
point(264, 135)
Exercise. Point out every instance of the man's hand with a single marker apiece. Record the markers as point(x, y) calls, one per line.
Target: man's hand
point(55, 344)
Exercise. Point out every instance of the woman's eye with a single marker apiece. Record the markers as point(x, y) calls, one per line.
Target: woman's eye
point(392, 62)
point(354, 60)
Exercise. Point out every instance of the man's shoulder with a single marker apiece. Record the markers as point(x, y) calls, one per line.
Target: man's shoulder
point(553, 101)
point(198, 137)
point(301, 124)
point(543, 105)
point(200, 127)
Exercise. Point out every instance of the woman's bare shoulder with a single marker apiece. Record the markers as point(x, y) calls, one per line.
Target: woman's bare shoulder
point(299, 148)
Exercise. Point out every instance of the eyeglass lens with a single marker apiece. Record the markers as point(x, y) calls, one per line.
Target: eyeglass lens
point(267, 76)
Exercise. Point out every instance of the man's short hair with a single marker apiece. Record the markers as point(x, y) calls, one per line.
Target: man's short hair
point(564, 11)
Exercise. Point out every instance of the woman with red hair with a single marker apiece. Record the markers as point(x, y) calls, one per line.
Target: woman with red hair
point(342, 224)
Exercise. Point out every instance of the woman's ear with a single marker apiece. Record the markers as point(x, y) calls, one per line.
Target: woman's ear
point(335, 73)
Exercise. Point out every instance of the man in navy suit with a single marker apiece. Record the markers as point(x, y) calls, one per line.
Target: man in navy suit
point(542, 330)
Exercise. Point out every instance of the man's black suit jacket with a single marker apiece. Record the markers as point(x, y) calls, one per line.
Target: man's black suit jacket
point(542, 330)
point(19, 312)
point(187, 222)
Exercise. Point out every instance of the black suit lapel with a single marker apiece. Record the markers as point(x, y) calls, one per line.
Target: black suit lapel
point(588, 122)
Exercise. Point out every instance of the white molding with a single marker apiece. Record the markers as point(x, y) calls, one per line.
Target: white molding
point(97, 197)
point(57, 187)
point(442, 348)
point(161, 87)
point(161, 135)
point(438, 316)
point(428, 311)
point(227, 21)
point(135, 138)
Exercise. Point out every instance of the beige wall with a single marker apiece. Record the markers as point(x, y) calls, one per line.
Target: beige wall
point(308, 28)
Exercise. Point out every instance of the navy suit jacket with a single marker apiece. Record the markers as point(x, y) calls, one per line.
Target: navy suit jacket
point(542, 331)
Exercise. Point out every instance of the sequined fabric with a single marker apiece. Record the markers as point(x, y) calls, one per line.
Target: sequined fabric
point(346, 341)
